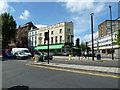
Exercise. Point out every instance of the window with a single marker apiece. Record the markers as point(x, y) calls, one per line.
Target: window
point(68, 38)
point(51, 32)
point(60, 39)
point(36, 33)
point(40, 34)
point(55, 39)
point(60, 30)
point(32, 33)
point(103, 51)
point(51, 40)
point(35, 41)
point(32, 41)
point(68, 30)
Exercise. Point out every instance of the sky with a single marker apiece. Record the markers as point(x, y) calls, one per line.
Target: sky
point(49, 13)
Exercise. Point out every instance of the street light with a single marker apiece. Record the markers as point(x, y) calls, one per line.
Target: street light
point(111, 32)
point(92, 35)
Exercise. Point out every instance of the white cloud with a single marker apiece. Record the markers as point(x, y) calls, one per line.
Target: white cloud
point(4, 7)
point(40, 26)
point(87, 37)
point(25, 15)
point(81, 10)
point(75, 18)
point(80, 6)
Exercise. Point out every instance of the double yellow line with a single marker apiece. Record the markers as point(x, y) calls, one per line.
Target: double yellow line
point(74, 71)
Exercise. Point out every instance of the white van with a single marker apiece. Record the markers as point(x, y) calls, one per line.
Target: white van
point(14, 50)
point(20, 55)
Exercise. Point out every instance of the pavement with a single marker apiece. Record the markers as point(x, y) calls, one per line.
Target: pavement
point(102, 69)
point(88, 58)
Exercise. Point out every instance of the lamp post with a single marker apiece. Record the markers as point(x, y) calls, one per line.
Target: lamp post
point(92, 35)
point(111, 32)
point(48, 46)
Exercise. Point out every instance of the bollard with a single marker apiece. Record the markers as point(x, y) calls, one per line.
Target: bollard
point(35, 58)
point(69, 57)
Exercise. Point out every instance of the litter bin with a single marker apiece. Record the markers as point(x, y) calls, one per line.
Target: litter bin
point(98, 57)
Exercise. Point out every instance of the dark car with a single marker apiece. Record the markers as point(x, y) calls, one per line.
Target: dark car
point(45, 56)
point(7, 53)
point(90, 55)
point(4, 53)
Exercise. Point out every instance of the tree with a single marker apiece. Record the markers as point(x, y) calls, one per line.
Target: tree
point(84, 47)
point(117, 38)
point(8, 29)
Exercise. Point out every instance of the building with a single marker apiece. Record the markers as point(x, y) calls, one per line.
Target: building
point(22, 34)
point(103, 44)
point(33, 39)
point(105, 27)
point(60, 38)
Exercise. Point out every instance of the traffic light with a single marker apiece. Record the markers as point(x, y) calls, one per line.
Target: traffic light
point(77, 42)
point(46, 35)
point(86, 44)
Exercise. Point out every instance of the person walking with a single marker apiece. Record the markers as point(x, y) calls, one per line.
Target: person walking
point(85, 54)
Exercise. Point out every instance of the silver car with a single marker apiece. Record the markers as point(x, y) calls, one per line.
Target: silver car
point(20, 55)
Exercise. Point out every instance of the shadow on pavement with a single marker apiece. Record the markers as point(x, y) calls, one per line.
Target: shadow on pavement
point(17, 88)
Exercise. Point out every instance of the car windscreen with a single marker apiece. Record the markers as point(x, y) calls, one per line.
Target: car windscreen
point(21, 53)
point(26, 51)
point(44, 53)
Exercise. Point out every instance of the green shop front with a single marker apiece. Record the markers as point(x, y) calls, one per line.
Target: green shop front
point(57, 49)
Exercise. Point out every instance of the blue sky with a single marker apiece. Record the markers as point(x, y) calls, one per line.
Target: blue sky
point(48, 13)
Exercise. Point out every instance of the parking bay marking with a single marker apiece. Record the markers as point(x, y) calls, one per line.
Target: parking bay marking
point(74, 71)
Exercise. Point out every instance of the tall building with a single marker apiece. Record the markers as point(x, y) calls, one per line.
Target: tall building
point(103, 44)
point(22, 34)
point(105, 27)
point(60, 38)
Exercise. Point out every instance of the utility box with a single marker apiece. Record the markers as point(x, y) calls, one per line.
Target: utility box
point(98, 57)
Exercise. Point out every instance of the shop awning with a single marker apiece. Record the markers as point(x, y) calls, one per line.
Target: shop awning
point(57, 46)
point(76, 48)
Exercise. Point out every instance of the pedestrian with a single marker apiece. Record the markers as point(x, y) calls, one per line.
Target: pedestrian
point(85, 54)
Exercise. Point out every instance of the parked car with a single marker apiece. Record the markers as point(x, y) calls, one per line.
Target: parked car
point(20, 55)
point(90, 55)
point(45, 56)
point(7, 53)
point(40, 56)
point(65, 54)
point(26, 51)
point(4, 53)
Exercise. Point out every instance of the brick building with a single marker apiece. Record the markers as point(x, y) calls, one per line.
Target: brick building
point(22, 34)
point(105, 27)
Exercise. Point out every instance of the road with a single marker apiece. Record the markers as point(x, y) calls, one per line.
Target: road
point(18, 73)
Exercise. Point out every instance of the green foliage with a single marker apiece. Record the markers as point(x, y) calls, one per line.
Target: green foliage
point(117, 38)
point(84, 47)
point(8, 28)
